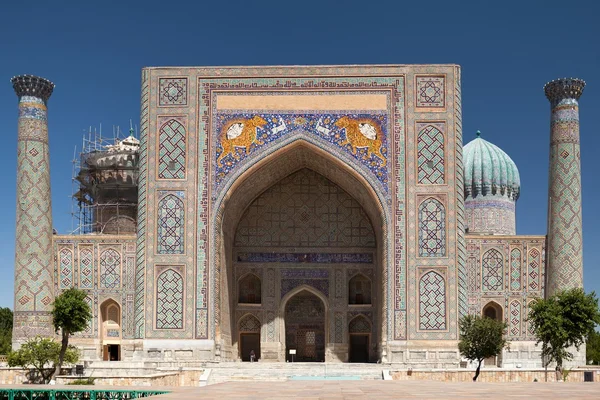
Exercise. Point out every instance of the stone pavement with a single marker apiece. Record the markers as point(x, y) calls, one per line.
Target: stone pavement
point(384, 390)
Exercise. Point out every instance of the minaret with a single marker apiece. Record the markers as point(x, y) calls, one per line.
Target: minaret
point(565, 245)
point(33, 260)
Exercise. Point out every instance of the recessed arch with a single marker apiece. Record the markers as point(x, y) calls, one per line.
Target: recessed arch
point(110, 329)
point(267, 167)
point(249, 289)
point(493, 310)
point(359, 289)
point(303, 293)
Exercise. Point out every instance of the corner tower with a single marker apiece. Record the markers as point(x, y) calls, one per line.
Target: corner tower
point(492, 187)
point(565, 244)
point(33, 260)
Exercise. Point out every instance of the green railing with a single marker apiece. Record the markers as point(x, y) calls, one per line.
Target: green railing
point(74, 394)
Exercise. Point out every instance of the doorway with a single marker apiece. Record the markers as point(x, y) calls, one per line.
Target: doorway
point(111, 352)
point(359, 348)
point(249, 342)
point(305, 328)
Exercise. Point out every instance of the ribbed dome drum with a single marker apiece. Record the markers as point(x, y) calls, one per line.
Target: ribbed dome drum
point(492, 187)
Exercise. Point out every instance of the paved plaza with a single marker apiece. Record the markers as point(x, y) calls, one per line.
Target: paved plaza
point(383, 390)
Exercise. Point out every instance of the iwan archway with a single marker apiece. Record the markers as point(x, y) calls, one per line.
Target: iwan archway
point(300, 220)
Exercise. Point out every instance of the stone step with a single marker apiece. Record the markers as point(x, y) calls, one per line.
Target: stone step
point(304, 371)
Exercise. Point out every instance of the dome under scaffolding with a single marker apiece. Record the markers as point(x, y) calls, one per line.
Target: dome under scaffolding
point(105, 185)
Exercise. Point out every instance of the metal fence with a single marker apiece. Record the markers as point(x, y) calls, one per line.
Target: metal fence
point(74, 394)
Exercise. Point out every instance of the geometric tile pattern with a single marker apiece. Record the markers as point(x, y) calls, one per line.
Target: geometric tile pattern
point(430, 153)
point(142, 211)
point(432, 302)
point(305, 209)
point(34, 258)
point(169, 300)
point(515, 269)
point(430, 91)
point(171, 150)
point(359, 325)
point(432, 228)
point(515, 294)
point(86, 268)
point(170, 231)
point(492, 271)
point(533, 270)
point(66, 268)
point(565, 263)
point(110, 269)
point(172, 91)
point(515, 318)
point(249, 323)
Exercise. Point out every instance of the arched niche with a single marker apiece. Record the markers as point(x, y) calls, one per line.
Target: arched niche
point(110, 332)
point(493, 310)
point(249, 289)
point(359, 290)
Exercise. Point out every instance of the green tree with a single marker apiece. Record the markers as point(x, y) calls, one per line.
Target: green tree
point(6, 325)
point(41, 354)
point(562, 321)
point(480, 338)
point(70, 314)
point(592, 351)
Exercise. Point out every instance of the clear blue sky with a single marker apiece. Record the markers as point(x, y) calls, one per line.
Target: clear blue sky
point(94, 52)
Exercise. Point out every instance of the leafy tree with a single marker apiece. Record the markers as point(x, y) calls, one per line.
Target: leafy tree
point(6, 325)
point(42, 355)
point(480, 338)
point(562, 321)
point(592, 351)
point(70, 314)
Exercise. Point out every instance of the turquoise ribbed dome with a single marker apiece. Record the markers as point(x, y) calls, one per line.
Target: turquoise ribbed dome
point(489, 170)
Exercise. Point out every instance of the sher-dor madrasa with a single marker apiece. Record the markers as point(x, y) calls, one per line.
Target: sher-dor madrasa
point(328, 210)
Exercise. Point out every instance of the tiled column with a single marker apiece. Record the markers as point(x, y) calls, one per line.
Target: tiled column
point(33, 260)
point(565, 245)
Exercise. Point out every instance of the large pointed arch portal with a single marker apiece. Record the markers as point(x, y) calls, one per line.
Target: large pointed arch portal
point(326, 270)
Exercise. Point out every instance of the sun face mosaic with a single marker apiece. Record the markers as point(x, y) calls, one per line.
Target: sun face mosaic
point(364, 136)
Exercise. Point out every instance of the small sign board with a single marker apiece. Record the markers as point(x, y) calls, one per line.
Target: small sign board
point(292, 351)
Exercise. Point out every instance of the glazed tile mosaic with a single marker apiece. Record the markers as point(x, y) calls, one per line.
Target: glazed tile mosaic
point(314, 207)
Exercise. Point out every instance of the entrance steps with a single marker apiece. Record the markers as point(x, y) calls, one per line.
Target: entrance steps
point(274, 372)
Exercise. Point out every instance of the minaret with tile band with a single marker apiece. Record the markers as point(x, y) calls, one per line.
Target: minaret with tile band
point(33, 259)
point(565, 243)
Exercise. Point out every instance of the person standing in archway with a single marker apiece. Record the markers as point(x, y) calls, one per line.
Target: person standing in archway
point(252, 356)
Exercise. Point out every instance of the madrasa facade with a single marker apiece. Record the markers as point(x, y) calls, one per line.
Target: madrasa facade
point(322, 213)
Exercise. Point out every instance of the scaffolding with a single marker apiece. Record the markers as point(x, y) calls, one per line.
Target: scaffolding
point(105, 184)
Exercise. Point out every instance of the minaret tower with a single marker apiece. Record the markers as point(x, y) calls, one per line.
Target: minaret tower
point(565, 244)
point(33, 260)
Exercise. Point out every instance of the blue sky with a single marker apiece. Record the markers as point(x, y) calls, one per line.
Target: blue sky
point(94, 52)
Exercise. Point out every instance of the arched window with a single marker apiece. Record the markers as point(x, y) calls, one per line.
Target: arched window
point(249, 324)
point(493, 310)
point(359, 325)
point(492, 275)
point(169, 300)
point(249, 290)
point(432, 302)
point(359, 290)
point(432, 228)
point(110, 269)
point(430, 155)
point(171, 150)
point(170, 225)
